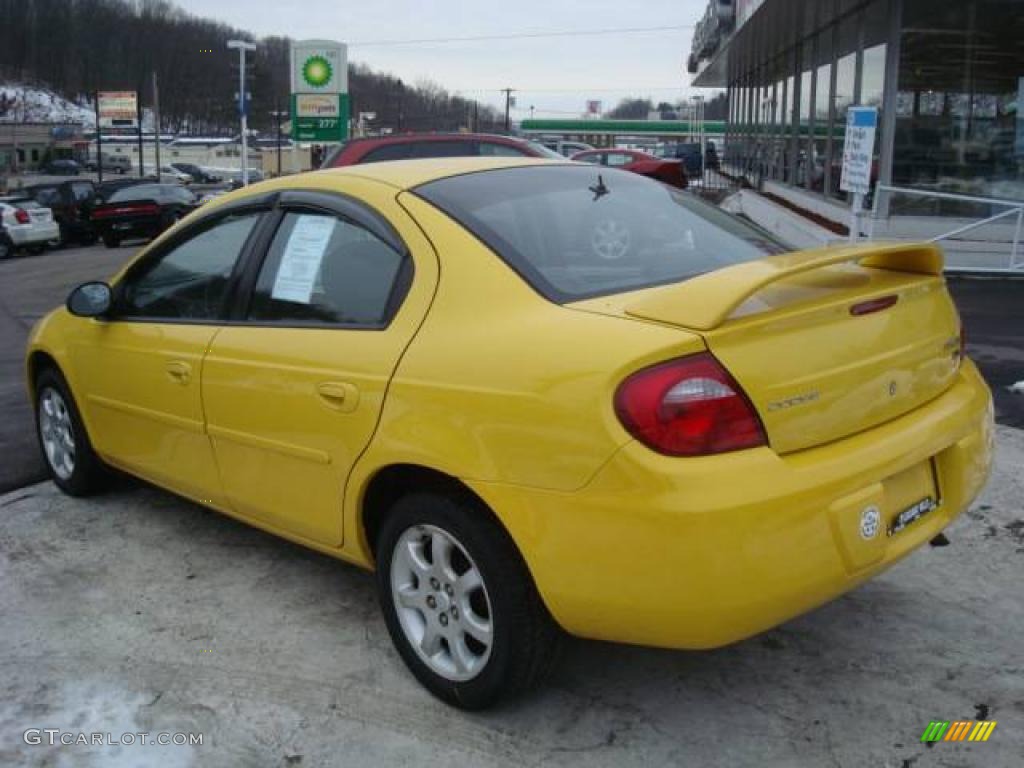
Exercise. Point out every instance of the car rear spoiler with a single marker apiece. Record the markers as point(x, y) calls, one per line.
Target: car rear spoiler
point(706, 301)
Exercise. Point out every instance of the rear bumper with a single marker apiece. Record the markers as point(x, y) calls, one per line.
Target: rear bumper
point(697, 553)
point(129, 228)
point(34, 234)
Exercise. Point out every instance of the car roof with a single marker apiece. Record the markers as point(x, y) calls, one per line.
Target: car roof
point(406, 174)
point(403, 138)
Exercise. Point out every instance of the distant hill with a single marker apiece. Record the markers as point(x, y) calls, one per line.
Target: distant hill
point(24, 104)
point(71, 48)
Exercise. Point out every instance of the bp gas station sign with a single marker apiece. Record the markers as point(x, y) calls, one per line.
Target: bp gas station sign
point(320, 106)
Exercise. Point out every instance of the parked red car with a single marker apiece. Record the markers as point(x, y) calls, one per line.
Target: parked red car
point(418, 145)
point(666, 170)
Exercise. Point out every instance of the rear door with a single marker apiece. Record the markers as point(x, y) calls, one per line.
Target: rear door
point(293, 387)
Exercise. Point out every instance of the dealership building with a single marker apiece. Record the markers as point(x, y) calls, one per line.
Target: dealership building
point(947, 78)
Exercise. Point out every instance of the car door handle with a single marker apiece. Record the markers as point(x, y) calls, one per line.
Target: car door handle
point(339, 395)
point(179, 371)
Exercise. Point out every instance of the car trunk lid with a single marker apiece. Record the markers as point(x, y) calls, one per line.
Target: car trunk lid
point(826, 343)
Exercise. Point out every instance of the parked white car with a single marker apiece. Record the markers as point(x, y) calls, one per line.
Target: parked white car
point(169, 173)
point(24, 224)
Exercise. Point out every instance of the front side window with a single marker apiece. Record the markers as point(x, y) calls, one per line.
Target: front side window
point(322, 269)
point(189, 281)
point(574, 232)
point(594, 159)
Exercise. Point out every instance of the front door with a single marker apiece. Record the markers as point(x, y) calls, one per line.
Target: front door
point(293, 387)
point(143, 364)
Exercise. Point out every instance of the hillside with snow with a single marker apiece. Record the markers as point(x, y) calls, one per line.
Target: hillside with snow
point(28, 104)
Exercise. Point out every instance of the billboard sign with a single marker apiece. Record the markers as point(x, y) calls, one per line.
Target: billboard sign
point(320, 118)
point(319, 66)
point(319, 78)
point(118, 109)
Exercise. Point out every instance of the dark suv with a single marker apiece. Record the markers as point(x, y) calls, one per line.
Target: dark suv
point(72, 203)
point(420, 145)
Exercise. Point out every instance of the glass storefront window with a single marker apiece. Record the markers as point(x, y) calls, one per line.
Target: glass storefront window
point(846, 71)
point(961, 88)
point(820, 144)
point(806, 96)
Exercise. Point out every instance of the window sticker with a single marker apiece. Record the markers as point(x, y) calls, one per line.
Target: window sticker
point(300, 264)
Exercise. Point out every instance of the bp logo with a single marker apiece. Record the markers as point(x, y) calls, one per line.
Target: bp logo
point(317, 71)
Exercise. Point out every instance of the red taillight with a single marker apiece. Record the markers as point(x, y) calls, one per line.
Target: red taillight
point(688, 407)
point(135, 209)
point(21, 216)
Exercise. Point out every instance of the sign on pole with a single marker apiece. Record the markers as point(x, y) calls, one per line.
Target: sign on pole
point(858, 156)
point(118, 109)
point(319, 77)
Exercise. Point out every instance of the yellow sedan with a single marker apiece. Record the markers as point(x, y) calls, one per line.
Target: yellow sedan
point(534, 396)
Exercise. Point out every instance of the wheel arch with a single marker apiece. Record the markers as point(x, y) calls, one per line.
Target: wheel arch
point(39, 360)
point(390, 483)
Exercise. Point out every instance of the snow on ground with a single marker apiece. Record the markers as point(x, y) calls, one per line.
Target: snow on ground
point(22, 103)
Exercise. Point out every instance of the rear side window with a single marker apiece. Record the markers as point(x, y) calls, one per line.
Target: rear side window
point(82, 192)
point(323, 269)
point(386, 152)
point(574, 231)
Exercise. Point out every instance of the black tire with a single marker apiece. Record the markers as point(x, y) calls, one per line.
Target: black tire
point(6, 248)
point(89, 474)
point(35, 250)
point(525, 639)
point(112, 241)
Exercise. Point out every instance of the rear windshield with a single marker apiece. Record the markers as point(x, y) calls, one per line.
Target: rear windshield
point(135, 192)
point(574, 232)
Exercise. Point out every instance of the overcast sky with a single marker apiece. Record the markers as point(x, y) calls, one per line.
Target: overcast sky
point(557, 75)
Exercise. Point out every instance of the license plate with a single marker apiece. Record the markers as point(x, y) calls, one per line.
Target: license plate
point(122, 226)
point(912, 514)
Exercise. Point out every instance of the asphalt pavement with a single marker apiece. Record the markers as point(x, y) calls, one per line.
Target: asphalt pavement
point(135, 611)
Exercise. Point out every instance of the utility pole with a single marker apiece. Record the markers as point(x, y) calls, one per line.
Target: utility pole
point(508, 104)
point(138, 118)
point(99, 139)
point(242, 46)
point(476, 116)
point(156, 124)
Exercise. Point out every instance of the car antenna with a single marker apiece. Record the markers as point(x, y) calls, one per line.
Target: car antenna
point(599, 189)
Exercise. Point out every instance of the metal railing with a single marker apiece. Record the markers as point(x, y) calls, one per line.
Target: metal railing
point(1015, 260)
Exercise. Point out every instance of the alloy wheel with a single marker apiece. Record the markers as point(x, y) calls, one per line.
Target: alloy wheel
point(441, 602)
point(57, 433)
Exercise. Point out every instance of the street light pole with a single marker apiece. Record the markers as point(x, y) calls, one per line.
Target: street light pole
point(242, 46)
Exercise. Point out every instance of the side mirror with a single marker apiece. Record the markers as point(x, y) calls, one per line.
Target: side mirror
point(90, 300)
